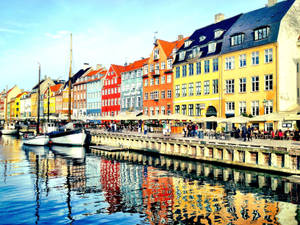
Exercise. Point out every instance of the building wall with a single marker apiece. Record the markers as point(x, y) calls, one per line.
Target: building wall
point(289, 56)
point(202, 100)
point(93, 98)
point(249, 71)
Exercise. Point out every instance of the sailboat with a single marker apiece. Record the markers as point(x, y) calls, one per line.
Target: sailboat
point(69, 135)
point(40, 140)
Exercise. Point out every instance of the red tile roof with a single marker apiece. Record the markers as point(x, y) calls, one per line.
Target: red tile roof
point(93, 72)
point(118, 69)
point(136, 64)
point(22, 93)
point(169, 46)
point(56, 87)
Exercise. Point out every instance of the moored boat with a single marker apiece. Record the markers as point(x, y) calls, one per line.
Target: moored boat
point(75, 137)
point(9, 129)
point(40, 140)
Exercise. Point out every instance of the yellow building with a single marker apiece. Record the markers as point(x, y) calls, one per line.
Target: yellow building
point(17, 104)
point(49, 97)
point(197, 71)
point(11, 94)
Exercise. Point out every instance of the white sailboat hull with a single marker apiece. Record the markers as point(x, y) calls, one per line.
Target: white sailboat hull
point(37, 140)
point(75, 139)
point(9, 131)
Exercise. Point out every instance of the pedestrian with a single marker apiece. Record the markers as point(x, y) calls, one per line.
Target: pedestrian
point(145, 129)
point(249, 133)
point(244, 133)
point(184, 131)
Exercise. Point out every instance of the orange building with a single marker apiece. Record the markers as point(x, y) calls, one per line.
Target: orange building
point(158, 78)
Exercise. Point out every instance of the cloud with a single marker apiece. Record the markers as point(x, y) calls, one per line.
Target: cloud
point(14, 31)
point(58, 35)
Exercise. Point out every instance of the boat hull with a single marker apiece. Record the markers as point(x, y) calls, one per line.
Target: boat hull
point(37, 140)
point(9, 132)
point(70, 138)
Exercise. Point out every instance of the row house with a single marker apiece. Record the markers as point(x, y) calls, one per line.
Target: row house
point(93, 91)
point(50, 98)
point(132, 86)
point(78, 88)
point(17, 107)
point(111, 91)
point(261, 57)
point(197, 70)
point(158, 78)
point(9, 101)
point(25, 105)
point(2, 103)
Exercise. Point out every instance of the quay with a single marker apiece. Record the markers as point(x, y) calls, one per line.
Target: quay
point(257, 155)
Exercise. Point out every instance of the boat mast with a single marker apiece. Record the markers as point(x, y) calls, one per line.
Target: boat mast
point(5, 116)
point(70, 83)
point(38, 109)
point(48, 103)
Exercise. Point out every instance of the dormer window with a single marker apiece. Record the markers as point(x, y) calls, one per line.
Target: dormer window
point(181, 55)
point(187, 43)
point(237, 39)
point(212, 47)
point(196, 52)
point(218, 33)
point(202, 38)
point(156, 54)
point(261, 33)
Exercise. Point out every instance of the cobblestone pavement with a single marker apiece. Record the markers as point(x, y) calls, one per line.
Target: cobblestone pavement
point(258, 142)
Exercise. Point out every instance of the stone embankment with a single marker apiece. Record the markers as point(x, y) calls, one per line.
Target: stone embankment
point(283, 159)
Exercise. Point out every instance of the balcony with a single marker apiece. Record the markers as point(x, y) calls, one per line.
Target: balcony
point(145, 75)
point(168, 71)
point(156, 57)
point(156, 73)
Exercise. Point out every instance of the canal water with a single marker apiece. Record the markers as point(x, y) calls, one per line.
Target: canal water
point(71, 186)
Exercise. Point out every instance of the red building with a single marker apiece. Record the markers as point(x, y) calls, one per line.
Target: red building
point(158, 78)
point(111, 91)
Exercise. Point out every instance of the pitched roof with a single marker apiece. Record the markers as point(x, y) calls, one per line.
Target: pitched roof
point(136, 65)
point(169, 46)
point(22, 93)
point(208, 34)
point(55, 88)
point(266, 16)
point(93, 72)
point(76, 76)
point(118, 69)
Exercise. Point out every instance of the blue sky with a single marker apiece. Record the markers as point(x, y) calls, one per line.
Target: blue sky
point(104, 32)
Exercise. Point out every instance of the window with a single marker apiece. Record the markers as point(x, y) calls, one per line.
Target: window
point(255, 108)
point(229, 63)
point(181, 55)
point(151, 82)
point(151, 111)
point(157, 68)
point(177, 109)
point(146, 70)
point(230, 107)
point(191, 89)
point(212, 47)
point(183, 90)
point(178, 72)
point(215, 86)
point(191, 109)
point(146, 110)
point(218, 33)
point(242, 106)
point(268, 106)
point(191, 69)
point(177, 91)
point(183, 109)
point(198, 110)
point(163, 110)
point(206, 66)
point(184, 71)
point(255, 83)
point(269, 82)
point(242, 85)
point(169, 64)
point(169, 79)
point(157, 81)
point(237, 39)
point(198, 88)
point(146, 96)
point(255, 58)
point(242, 60)
point(206, 87)
point(169, 94)
point(198, 68)
point(202, 38)
point(156, 54)
point(157, 110)
point(261, 33)
point(163, 80)
point(215, 64)
point(163, 65)
point(298, 67)
point(163, 94)
point(229, 86)
point(268, 55)
point(187, 43)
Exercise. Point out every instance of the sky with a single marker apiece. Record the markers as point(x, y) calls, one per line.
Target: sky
point(104, 32)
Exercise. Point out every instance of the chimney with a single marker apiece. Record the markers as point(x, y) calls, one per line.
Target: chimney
point(219, 17)
point(85, 66)
point(180, 37)
point(271, 3)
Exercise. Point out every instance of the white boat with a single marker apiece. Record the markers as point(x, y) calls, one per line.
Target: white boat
point(9, 129)
point(76, 137)
point(40, 140)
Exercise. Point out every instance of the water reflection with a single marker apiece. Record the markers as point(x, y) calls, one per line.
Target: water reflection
point(60, 185)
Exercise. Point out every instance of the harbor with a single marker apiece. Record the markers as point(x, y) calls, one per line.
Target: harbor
point(70, 185)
